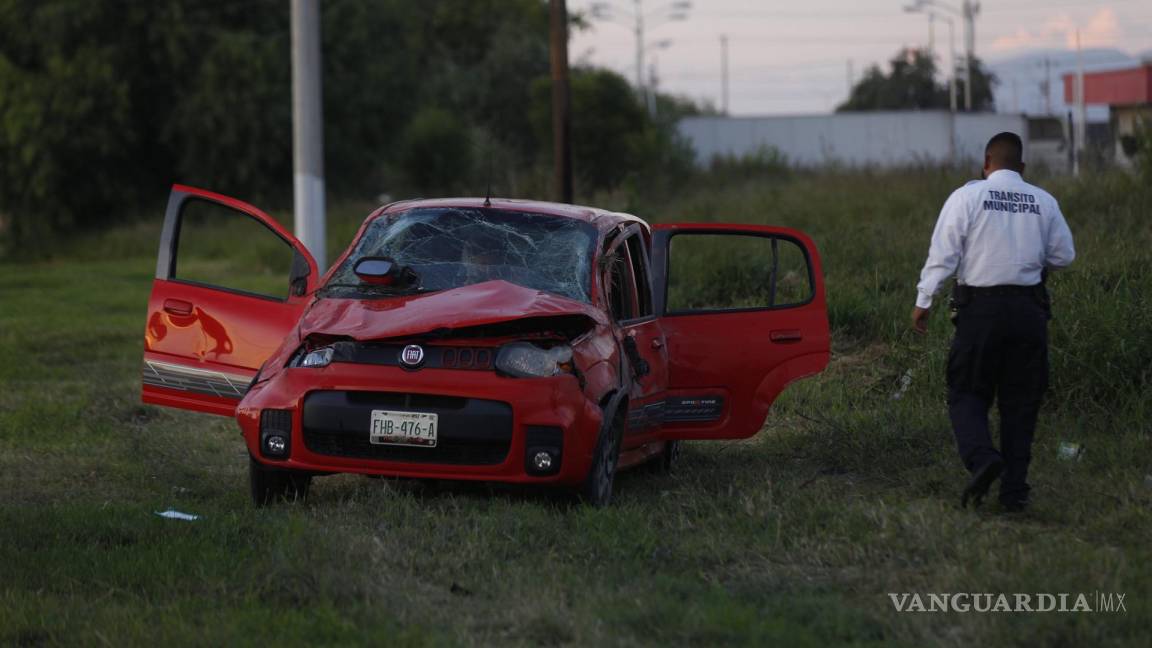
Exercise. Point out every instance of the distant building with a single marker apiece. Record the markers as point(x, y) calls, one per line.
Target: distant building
point(874, 138)
point(1128, 93)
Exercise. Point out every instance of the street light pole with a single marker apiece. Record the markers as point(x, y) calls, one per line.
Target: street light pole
point(724, 74)
point(951, 65)
point(308, 130)
point(639, 34)
point(968, 10)
point(671, 11)
point(922, 6)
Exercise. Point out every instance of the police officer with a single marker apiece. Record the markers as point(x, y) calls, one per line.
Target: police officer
point(999, 236)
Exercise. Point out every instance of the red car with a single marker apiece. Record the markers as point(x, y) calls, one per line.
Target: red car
point(476, 339)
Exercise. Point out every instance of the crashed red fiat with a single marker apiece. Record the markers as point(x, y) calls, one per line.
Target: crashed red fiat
point(476, 339)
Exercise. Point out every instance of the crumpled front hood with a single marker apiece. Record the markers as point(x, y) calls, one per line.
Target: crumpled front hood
point(476, 305)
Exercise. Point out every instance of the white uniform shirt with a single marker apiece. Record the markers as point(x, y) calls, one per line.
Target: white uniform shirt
point(996, 232)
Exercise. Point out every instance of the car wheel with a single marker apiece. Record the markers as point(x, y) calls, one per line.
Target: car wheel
point(270, 485)
point(597, 488)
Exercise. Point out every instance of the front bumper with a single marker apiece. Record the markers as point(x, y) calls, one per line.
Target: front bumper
point(332, 402)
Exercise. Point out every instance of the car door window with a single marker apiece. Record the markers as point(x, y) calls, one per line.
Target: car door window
point(223, 248)
point(638, 260)
point(718, 272)
point(621, 290)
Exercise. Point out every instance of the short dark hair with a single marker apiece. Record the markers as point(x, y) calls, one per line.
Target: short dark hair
point(1006, 149)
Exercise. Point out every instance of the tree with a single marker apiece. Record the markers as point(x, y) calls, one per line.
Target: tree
point(104, 104)
point(911, 85)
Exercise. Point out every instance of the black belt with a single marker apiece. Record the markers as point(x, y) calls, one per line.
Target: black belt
point(1003, 291)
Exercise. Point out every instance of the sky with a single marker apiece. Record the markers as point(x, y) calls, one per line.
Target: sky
point(797, 57)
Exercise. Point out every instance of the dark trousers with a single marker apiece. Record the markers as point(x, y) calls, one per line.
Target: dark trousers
point(999, 354)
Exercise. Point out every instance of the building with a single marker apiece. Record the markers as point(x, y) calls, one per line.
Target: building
point(874, 138)
point(1128, 93)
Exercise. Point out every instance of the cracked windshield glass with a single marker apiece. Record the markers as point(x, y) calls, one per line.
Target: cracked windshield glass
point(454, 247)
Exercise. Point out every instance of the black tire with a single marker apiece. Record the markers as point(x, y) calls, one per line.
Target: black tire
point(596, 491)
point(270, 485)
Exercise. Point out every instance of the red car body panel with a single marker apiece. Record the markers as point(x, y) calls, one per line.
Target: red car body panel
point(225, 352)
point(202, 345)
point(745, 357)
point(470, 306)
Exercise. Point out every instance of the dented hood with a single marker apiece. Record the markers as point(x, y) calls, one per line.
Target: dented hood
point(476, 305)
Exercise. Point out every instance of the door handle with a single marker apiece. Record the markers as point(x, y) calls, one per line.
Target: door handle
point(177, 307)
point(657, 343)
point(785, 336)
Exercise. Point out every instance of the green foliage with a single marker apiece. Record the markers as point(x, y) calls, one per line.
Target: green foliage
point(607, 120)
point(613, 137)
point(435, 151)
point(911, 84)
point(1142, 143)
point(104, 104)
point(764, 162)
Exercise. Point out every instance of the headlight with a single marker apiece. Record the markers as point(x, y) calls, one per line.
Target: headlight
point(527, 360)
point(314, 359)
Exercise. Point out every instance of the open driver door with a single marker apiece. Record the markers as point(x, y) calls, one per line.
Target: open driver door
point(230, 284)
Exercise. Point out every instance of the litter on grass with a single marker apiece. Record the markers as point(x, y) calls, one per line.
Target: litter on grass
point(1070, 451)
point(905, 383)
point(177, 515)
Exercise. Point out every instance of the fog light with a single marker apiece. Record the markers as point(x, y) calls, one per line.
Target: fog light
point(276, 444)
point(542, 461)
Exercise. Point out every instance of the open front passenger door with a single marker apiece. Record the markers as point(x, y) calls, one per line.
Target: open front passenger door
point(743, 310)
point(230, 284)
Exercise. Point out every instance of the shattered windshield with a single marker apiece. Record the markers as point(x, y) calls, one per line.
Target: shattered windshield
point(453, 247)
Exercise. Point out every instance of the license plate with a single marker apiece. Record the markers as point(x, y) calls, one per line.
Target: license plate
point(403, 428)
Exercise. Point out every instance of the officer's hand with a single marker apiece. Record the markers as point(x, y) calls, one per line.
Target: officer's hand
point(920, 320)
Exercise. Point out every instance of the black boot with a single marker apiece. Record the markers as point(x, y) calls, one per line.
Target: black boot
point(982, 478)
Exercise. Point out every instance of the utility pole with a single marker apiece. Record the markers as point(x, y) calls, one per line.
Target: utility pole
point(969, 10)
point(724, 74)
point(1048, 86)
point(1080, 131)
point(308, 130)
point(932, 36)
point(952, 65)
point(638, 28)
point(561, 115)
point(851, 79)
point(675, 10)
point(650, 95)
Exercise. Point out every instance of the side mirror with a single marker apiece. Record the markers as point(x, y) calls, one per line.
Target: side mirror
point(376, 270)
point(298, 278)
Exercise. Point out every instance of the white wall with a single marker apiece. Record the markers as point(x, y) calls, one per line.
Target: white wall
point(855, 139)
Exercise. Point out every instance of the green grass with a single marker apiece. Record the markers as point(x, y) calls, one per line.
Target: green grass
point(794, 537)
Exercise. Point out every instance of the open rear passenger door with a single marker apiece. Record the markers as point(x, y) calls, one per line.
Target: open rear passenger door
point(230, 284)
point(743, 310)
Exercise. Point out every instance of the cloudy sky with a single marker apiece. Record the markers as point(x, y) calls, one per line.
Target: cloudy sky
point(795, 57)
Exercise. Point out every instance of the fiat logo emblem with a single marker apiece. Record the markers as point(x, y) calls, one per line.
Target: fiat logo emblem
point(412, 356)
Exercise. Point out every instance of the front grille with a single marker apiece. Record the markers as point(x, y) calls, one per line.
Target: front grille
point(435, 357)
point(470, 431)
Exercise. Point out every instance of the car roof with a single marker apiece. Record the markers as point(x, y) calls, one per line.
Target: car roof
point(602, 219)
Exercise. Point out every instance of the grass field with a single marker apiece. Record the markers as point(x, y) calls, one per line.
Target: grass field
point(794, 537)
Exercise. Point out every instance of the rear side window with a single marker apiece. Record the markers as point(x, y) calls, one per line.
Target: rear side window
point(639, 258)
point(223, 248)
point(620, 290)
point(710, 272)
